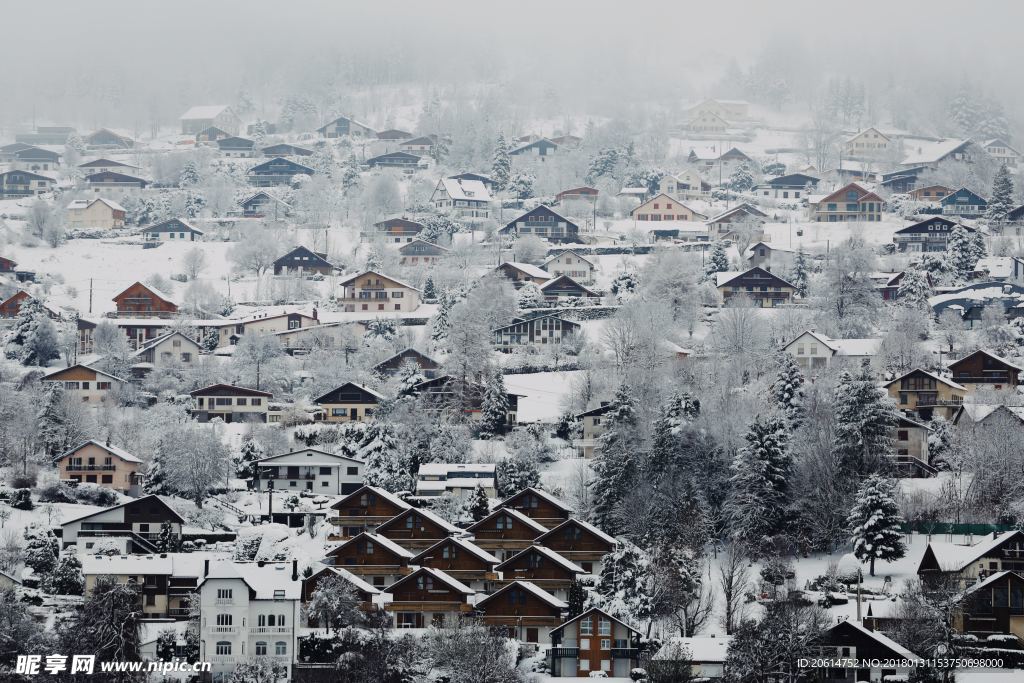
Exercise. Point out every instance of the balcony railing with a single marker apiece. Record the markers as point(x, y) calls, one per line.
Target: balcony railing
point(224, 629)
point(91, 468)
point(270, 629)
point(927, 401)
point(268, 475)
point(625, 653)
point(557, 652)
point(983, 379)
point(178, 612)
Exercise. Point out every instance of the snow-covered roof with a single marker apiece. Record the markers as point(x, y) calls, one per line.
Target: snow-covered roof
point(266, 581)
point(594, 610)
point(515, 514)
point(165, 564)
point(82, 204)
point(945, 380)
point(952, 557)
point(444, 577)
point(204, 111)
point(997, 266)
point(699, 649)
point(155, 341)
point(531, 270)
point(449, 469)
point(80, 365)
point(467, 190)
point(531, 587)
point(386, 495)
point(386, 277)
point(433, 517)
point(990, 355)
point(382, 541)
point(463, 543)
point(563, 252)
point(881, 638)
point(355, 580)
point(930, 152)
point(540, 493)
point(322, 458)
point(113, 450)
point(551, 555)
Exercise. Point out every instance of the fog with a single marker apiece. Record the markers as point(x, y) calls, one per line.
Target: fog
point(133, 65)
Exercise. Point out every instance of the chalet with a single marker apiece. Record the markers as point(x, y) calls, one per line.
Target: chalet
point(886, 659)
point(421, 146)
point(579, 542)
point(904, 180)
point(926, 394)
point(538, 149)
point(137, 524)
point(910, 443)
point(302, 261)
point(172, 230)
point(108, 166)
point(211, 134)
point(429, 597)
point(930, 193)
point(888, 284)
point(99, 213)
point(46, 135)
point(458, 480)
point(665, 208)
point(372, 291)
point(964, 565)
point(401, 160)
point(593, 424)
point(485, 180)
point(350, 402)
point(963, 203)
point(371, 598)
point(769, 256)
point(981, 368)
point(462, 559)
point(764, 289)
point(999, 269)
point(168, 351)
point(815, 351)
point(538, 505)
point(393, 134)
point(15, 184)
point(139, 331)
point(11, 306)
point(7, 152)
point(7, 265)
point(199, 118)
point(568, 262)
point(867, 143)
point(237, 147)
point(463, 198)
point(312, 470)
point(685, 185)
point(423, 364)
point(285, 149)
point(536, 332)
point(399, 229)
point(564, 288)
point(850, 203)
point(506, 532)
point(724, 224)
point(524, 610)
point(344, 126)
point(108, 466)
point(706, 122)
point(1001, 152)
point(165, 582)
point(230, 403)
point(577, 194)
point(105, 138)
point(930, 235)
point(933, 155)
point(86, 384)
point(788, 187)
point(117, 184)
point(417, 529)
point(521, 273)
point(731, 110)
point(419, 252)
point(725, 162)
point(276, 171)
point(992, 607)
point(263, 204)
point(543, 222)
point(364, 509)
point(229, 332)
point(985, 415)
point(593, 641)
point(35, 159)
point(704, 655)
point(140, 300)
point(445, 393)
point(567, 141)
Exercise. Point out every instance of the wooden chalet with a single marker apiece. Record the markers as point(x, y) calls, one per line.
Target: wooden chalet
point(579, 542)
point(303, 261)
point(521, 273)
point(537, 332)
point(276, 171)
point(463, 559)
point(545, 223)
point(593, 641)
point(400, 160)
point(144, 301)
point(344, 126)
point(429, 597)
point(364, 510)
point(211, 134)
point(16, 184)
point(763, 288)
point(399, 229)
point(964, 203)
point(564, 287)
point(982, 368)
point(424, 364)
point(371, 598)
point(285, 149)
point(417, 528)
point(544, 567)
point(104, 138)
point(349, 402)
point(264, 205)
point(505, 532)
point(419, 252)
point(886, 659)
point(538, 505)
point(524, 610)
point(172, 230)
point(993, 607)
point(962, 565)
point(577, 194)
point(230, 403)
point(929, 235)
point(235, 146)
point(445, 393)
point(379, 559)
point(136, 525)
point(852, 202)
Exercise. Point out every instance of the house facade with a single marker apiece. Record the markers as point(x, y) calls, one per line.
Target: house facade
point(421, 253)
point(417, 529)
point(206, 116)
point(927, 394)
point(524, 610)
point(463, 198)
point(102, 464)
point(579, 268)
point(364, 509)
point(662, 207)
point(964, 203)
point(303, 261)
point(459, 480)
point(16, 184)
point(537, 332)
point(86, 384)
point(139, 300)
point(349, 402)
point(867, 143)
point(172, 230)
point(593, 641)
point(930, 235)
point(763, 288)
point(815, 351)
point(545, 223)
point(344, 126)
point(984, 369)
point(429, 597)
point(399, 230)
point(376, 559)
point(311, 470)
point(104, 214)
point(230, 404)
point(850, 203)
point(277, 171)
point(372, 291)
point(136, 524)
point(506, 532)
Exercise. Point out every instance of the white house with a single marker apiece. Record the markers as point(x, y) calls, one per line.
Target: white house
point(310, 470)
point(246, 610)
point(579, 268)
point(436, 478)
point(814, 351)
point(464, 198)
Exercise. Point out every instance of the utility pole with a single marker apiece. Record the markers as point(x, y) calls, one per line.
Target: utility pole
point(90, 295)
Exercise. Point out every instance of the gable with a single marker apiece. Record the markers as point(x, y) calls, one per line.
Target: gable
point(348, 393)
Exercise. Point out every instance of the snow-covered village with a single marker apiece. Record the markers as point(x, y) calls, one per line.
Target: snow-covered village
point(385, 342)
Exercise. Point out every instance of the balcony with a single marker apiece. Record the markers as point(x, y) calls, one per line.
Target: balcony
point(1001, 378)
point(91, 468)
point(178, 613)
point(930, 401)
point(625, 653)
point(224, 629)
point(559, 652)
point(258, 630)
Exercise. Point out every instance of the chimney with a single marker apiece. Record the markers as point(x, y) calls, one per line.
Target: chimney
point(295, 570)
point(206, 567)
point(260, 563)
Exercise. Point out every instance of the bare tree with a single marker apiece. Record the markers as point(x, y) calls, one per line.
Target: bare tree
point(734, 583)
point(194, 262)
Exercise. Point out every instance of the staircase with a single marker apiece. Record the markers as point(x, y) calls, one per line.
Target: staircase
point(223, 504)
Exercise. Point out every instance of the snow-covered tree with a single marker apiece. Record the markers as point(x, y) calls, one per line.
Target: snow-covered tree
point(914, 290)
point(477, 505)
point(624, 586)
point(717, 261)
point(864, 421)
point(384, 466)
point(66, 578)
point(876, 522)
point(251, 451)
point(41, 550)
point(335, 603)
point(625, 284)
point(615, 464)
point(530, 296)
point(801, 273)
point(741, 179)
point(788, 388)
point(501, 163)
point(515, 473)
point(51, 421)
point(760, 481)
point(429, 289)
point(494, 412)
point(960, 254)
point(33, 339)
point(1001, 202)
point(604, 164)
point(108, 622)
point(441, 322)
point(189, 176)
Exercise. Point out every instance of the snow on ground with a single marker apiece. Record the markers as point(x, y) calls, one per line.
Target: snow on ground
point(545, 394)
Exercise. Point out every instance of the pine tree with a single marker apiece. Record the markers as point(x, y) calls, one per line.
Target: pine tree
point(624, 585)
point(914, 290)
point(876, 522)
point(494, 412)
point(350, 172)
point(604, 164)
point(1001, 202)
point(718, 261)
point(66, 578)
point(429, 289)
point(577, 599)
point(166, 541)
point(384, 466)
point(51, 421)
point(251, 451)
point(501, 163)
point(33, 341)
point(801, 273)
point(960, 254)
point(616, 462)
point(478, 505)
point(788, 389)
point(189, 176)
point(529, 296)
point(441, 323)
point(41, 550)
point(760, 485)
point(864, 420)
point(741, 179)
point(515, 473)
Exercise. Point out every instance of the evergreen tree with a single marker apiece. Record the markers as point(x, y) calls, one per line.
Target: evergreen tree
point(515, 473)
point(741, 179)
point(1001, 202)
point(350, 172)
point(616, 462)
point(788, 389)
point(760, 485)
point(51, 421)
point(529, 296)
point(624, 585)
point(494, 412)
point(33, 340)
point(429, 289)
point(165, 542)
point(604, 164)
point(977, 247)
point(41, 550)
point(876, 522)
point(384, 465)
point(577, 598)
point(478, 505)
point(441, 323)
point(189, 176)
point(501, 164)
point(108, 623)
point(251, 451)
point(960, 254)
point(914, 290)
point(66, 578)
point(717, 262)
point(625, 284)
point(864, 420)
point(801, 273)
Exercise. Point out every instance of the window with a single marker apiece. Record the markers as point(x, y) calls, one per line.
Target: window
point(242, 402)
point(261, 647)
point(223, 647)
point(448, 552)
point(425, 583)
point(279, 594)
point(257, 401)
point(584, 665)
point(606, 643)
point(223, 593)
point(533, 560)
point(605, 627)
point(586, 627)
point(902, 435)
point(584, 643)
point(352, 471)
point(280, 648)
point(369, 548)
point(325, 470)
point(504, 522)
point(223, 620)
